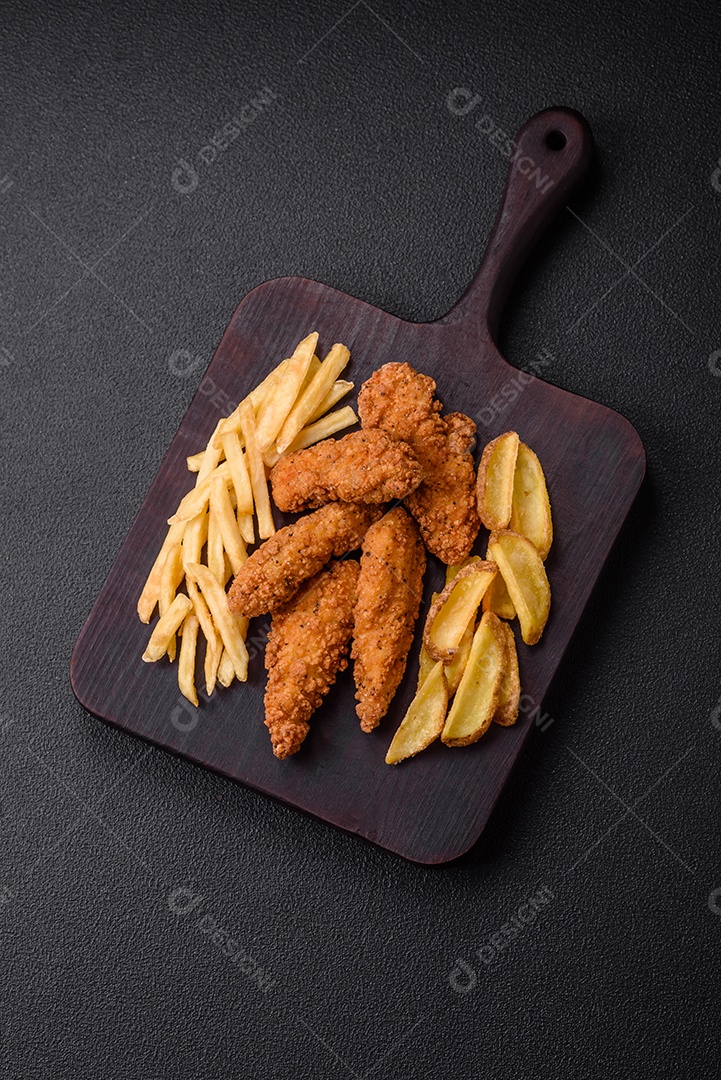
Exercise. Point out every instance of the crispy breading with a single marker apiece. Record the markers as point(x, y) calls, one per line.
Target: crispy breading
point(277, 569)
point(461, 432)
point(365, 466)
point(307, 647)
point(390, 589)
point(401, 401)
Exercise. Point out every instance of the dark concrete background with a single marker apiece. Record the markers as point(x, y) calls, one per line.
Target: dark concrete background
point(360, 176)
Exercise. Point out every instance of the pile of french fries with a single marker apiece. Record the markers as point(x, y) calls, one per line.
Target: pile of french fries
point(208, 535)
point(468, 673)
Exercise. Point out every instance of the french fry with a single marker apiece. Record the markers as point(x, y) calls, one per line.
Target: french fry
point(226, 622)
point(171, 577)
point(476, 699)
point(523, 571)
point(195, 461)
point(197, 498)
point(531, 509)
point(338, 390)
point(312, 396)
point(194, 537)
point(226, 673)
point(221, 513)
point(215, 556)
point(310, 374)
point(494, 486)
point(451, 613)
point(186, 660)
point(214, 647)
point(238, 471)
point(423, 722)
point(151, 589)
point(245, 524)
point(211, 456)
point(228, 574)
point(166, 627)
point(256, 398)
point(256, 468)
point(278, 404)
point(509, 696)
point(321, 429)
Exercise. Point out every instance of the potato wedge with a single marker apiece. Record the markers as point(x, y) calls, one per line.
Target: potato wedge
point(309, 401)
point(531, 511)
point(278, 405)
point(523, 571)
point(166, 628)
point(451, 613)
point(424, 720)
point(453, 571)
point(509, 696)
point(496, 598)
point(186, 660)
point(227, 623)
point(425, 664)
point(454, 670)
point(494, 485)
point(476, 699)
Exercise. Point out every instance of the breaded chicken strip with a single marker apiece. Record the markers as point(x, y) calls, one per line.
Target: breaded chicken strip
point(365, 466)
point(307, 647)
point(401, 401)
point(277, 569)
point(390, 589)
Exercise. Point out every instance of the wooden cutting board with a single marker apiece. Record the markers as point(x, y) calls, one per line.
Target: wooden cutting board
point(434, 807)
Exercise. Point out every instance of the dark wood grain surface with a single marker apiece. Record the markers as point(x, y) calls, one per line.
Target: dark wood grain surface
point(432, 808)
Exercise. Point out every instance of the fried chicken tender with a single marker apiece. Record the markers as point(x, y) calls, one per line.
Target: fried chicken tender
point(365, 466)
point(390, 589)
point(307, 647)
point(401, 401)
point(277, 569)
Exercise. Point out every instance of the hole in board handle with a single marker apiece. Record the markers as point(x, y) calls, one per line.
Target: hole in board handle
point(555, 140)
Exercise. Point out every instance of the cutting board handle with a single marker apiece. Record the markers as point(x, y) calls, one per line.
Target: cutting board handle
point(548, 159)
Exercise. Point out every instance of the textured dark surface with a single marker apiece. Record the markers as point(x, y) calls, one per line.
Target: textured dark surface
point(358, 175)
